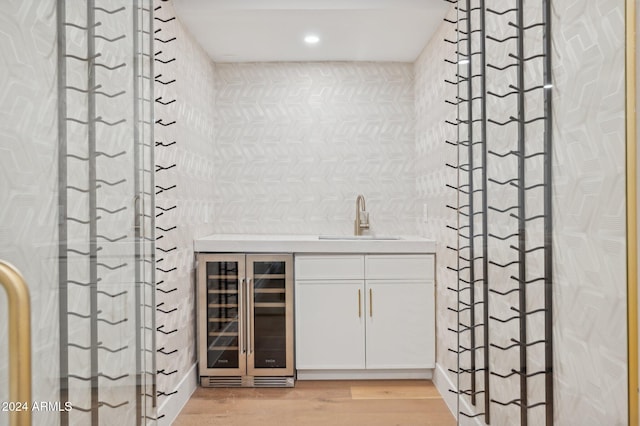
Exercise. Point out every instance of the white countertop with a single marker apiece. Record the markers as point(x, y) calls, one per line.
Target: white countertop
point(258, 243)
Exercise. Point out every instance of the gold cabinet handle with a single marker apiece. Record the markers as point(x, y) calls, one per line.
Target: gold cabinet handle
point(370, 302)
point(19, 307)
point(359, 304)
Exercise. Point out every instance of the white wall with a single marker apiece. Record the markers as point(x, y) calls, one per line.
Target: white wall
point(297, 142)
point(589, 209)
point(193, 154)
point(432, 153)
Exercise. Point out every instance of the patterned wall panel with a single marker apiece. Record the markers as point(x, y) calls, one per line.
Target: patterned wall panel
point(28, 189)
point(296, 142)
point(432, 153)
point(589, 211)
point(193, 194)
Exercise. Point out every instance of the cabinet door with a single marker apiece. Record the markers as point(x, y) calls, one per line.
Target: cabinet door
point(330, 324)
point(400, 324)
point(270, 315)
point(220, 309)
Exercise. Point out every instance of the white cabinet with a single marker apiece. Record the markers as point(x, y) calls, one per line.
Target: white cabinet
point(399, 328)
point(365, 312)
point(330, 325)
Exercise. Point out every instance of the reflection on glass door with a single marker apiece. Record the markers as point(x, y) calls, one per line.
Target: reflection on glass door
point(220, 324)
point(271, 316)
point(222, 307)
point(77, 206)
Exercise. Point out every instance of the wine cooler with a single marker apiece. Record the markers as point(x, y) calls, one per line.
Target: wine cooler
point(245, 320)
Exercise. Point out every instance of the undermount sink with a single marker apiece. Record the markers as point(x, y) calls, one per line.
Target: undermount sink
point(358, 237)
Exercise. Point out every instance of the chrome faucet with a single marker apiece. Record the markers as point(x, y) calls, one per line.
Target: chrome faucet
point(362, 217)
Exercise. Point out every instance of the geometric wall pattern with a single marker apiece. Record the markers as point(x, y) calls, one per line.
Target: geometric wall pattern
point(296, 143)
point(188, 186)
point(28, 185)
point(589, 213)
point(432, 153)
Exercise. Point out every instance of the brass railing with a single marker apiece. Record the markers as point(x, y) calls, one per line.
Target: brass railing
point(632, 209)
point(19, 345)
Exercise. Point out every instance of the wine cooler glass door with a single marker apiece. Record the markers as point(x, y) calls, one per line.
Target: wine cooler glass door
point(270, 315)
point(222, 348)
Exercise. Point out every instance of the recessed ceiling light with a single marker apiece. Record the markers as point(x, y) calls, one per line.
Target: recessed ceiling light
point(311, 39)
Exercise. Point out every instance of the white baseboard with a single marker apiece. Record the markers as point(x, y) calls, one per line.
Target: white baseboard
point(364, 374)
point(444, 384)
point(172, 406)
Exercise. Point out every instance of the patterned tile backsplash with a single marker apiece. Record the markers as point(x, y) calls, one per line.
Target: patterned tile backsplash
point(295, 143)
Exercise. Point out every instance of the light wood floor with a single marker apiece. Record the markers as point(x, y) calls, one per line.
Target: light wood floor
point(321, 403)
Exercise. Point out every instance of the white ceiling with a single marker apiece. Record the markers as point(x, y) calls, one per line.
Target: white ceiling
point(349, 30)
